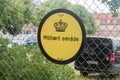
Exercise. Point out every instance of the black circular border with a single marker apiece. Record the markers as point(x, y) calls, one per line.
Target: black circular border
point(83, 36)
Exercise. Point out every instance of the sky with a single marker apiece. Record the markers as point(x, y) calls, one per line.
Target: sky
point(91, 5)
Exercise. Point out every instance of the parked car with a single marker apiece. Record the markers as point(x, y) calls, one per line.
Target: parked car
point(31, 40)
point(101, 55)
point(1, 35)
point(25, 39)
point(8, 36)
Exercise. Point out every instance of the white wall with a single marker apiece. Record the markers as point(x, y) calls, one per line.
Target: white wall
point(109, 30)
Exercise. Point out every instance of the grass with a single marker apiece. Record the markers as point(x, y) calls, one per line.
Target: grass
point(96, 78)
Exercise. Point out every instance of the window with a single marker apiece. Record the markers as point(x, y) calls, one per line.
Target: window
point(114, 21)
point(108, 21)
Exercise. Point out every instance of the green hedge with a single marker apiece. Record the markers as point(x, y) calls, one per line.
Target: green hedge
point(3, 45)
point(16, 65)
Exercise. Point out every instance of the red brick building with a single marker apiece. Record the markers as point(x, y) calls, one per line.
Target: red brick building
point(107, 24)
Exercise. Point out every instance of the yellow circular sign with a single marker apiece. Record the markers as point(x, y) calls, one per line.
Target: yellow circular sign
point(61, 36)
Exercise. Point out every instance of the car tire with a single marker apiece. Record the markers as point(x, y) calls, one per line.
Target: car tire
point(118, 75)
point(83, 73)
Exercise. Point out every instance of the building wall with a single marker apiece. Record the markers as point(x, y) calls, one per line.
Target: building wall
point(108, 30)
point(29, 29)
point(107, 24)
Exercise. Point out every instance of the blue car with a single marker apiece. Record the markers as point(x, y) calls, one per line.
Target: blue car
point(25, 39)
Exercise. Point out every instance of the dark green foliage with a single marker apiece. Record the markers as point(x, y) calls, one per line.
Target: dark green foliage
point(86, 17)
point(114, 6)
point(15, 13)
point(11, 16)
point(3, 45)
point(28, 63)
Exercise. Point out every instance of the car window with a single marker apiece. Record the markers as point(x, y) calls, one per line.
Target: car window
point(98, 45)
point(117, 59)
point(117, 54)
point(118, 48)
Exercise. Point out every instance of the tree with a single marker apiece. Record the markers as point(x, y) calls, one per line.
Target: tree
point(11, 18)
point(49, 5)
point(114, 6)
point(83, 14)
point(15, 13)
point(30, 16)
point(87, 18)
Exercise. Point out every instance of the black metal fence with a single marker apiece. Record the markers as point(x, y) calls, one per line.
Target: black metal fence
point(21, 59)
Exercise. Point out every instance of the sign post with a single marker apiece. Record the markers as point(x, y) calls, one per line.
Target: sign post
point(61, 36)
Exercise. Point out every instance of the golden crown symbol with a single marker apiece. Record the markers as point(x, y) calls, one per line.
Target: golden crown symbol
point(60, 26)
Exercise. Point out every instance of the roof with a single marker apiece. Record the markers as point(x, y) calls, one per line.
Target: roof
point(107, 18)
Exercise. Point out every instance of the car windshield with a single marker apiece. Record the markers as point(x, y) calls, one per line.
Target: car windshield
point(98, 45)
point(27, 37)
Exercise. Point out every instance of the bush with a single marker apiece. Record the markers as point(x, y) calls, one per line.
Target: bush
point(3, 44)
point(27, 63)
